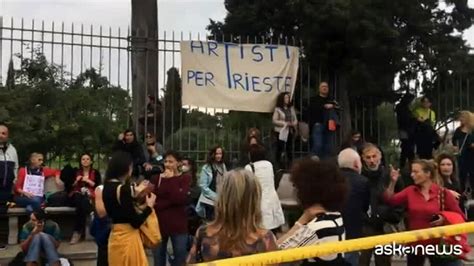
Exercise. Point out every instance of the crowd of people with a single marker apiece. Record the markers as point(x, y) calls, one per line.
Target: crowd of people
point(151, 199)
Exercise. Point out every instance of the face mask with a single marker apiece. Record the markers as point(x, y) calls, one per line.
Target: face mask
point(185, 168)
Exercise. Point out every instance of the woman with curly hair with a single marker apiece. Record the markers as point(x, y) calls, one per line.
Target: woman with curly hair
point(322, 191)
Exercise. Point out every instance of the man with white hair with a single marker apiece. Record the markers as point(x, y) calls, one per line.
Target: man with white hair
point(380, 213)
point(357, 204)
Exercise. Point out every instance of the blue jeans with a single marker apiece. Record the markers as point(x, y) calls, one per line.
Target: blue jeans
point(352, 258)
point(30, 204)
point(42, 242)
point(179, 243)
point(322, 141)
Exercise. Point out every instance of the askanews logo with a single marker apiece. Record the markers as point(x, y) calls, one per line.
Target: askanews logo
point(427, 250)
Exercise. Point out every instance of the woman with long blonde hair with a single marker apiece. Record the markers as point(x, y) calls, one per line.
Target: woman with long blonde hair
point(237, 227)
point(463, 141)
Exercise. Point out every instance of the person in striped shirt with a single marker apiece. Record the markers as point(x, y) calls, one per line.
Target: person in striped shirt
point(322, 191)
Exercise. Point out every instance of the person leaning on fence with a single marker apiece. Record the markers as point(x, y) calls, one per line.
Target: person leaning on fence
point(40, 239)
point(425, 136)
point(318, 114)
point(86, 180)
point(428, 205)
point(322, 191)
point(236, 230)
point(34, 172)
point(211, 177)
point(285, 125)
point(463, 141)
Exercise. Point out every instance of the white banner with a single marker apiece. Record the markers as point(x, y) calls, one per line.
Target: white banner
point(34, 184)
point(245, 77)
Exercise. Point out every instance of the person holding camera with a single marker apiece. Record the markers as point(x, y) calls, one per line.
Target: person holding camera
point(87, 179)
point(426, 203)
point(40, 234)
point(131, 212)
point(153, 151)
point(171, 189)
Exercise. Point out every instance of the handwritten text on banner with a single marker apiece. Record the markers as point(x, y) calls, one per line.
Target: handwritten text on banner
point(245, 77)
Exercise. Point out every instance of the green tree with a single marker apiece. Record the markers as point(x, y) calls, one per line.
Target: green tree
point(46, 114)
point(360, 45)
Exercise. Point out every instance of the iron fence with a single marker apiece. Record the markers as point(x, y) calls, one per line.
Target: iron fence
point(193, 129)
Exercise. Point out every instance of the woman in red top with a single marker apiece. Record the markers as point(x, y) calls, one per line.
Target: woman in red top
point(83, 192)
point(423, 204)
point(30, 194)
point(171, 189)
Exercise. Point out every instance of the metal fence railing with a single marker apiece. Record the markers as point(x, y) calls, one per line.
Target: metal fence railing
point(192, 129)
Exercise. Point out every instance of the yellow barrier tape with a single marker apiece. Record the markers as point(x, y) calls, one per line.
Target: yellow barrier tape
point(297, 254)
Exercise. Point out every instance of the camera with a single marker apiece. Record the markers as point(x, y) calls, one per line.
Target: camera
point(158, 165)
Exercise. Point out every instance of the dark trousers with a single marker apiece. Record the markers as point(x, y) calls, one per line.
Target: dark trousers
point(424, 145)
point(102, 259)
point(465, 172)
point(407, 151)
point(83, 208)
point(322, 141)
point(366, 255)
point(286, 147)
point(209, 210)
point(179, 243)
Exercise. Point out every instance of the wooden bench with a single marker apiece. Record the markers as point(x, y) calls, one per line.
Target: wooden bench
point(13, 215)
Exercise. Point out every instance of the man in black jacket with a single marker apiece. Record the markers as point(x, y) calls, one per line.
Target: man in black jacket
point(380, 213)
point(317, 113)
point(127, 142)
point(406, 128)
point(355, 211)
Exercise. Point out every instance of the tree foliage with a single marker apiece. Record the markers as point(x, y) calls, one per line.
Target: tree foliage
point(367, 40)
point(362, 45)
point(46, 114)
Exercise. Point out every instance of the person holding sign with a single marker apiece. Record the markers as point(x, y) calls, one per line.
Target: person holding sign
point(29, 188)
point(285, 122)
